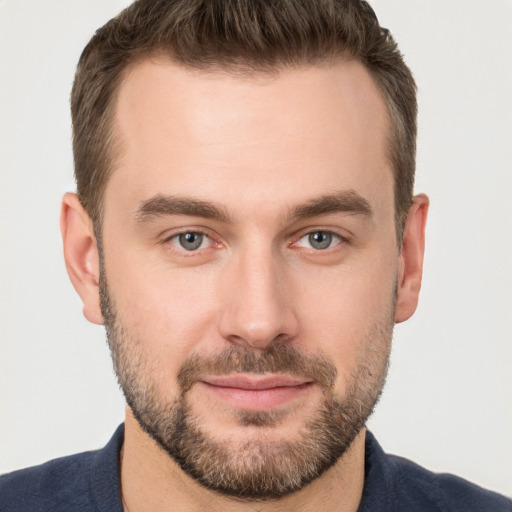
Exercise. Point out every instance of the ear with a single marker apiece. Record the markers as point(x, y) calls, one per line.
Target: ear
point(410, 267)
point(81, 255)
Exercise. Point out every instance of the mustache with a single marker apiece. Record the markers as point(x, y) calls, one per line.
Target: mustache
point(278, 358)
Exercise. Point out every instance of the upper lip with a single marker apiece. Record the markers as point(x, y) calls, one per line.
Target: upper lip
point(255, 382)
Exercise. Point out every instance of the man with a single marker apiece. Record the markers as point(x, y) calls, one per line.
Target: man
point(245, 230)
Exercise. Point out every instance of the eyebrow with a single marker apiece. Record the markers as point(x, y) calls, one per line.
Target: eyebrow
point(161, 205)
point(346, 201)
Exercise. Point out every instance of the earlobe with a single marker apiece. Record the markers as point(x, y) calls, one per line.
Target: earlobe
point(411, 259)
point(81, 255)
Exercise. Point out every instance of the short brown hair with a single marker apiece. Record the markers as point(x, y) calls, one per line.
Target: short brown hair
point(238, 35)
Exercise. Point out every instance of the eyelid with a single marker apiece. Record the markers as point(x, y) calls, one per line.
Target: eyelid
point(344, 238)
point(174, 234)
point(204, 242)
point(336, 240)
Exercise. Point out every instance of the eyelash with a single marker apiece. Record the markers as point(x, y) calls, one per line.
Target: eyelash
point(341, 241)
point(195, 231)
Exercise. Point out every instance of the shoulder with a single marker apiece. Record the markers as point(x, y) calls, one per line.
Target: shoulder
point(86, 482)
point(416, 486)
point(56, 485)
point(395, 484)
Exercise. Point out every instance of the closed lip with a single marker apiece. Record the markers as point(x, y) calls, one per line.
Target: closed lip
point(256, 383)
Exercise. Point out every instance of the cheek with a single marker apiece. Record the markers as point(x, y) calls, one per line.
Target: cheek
point(167, 313)
point(341, 311)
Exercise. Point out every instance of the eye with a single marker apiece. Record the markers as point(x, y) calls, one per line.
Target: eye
point(319, 240)
point(190, 241)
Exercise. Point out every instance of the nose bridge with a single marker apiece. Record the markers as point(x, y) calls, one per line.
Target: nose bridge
point(257, 308)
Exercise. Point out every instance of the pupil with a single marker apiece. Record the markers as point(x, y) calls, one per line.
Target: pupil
point(320, 240)
point(191, 241)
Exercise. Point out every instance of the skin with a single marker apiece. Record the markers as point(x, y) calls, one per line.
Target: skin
point(257, 148)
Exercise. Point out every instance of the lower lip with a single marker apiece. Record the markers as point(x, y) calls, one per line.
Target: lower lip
point(258, 399)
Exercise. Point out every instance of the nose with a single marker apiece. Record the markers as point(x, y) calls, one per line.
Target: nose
point(257, 305)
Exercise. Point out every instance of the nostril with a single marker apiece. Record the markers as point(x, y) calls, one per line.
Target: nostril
point(260, 337)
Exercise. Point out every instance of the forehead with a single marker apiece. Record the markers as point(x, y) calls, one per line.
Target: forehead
point(299, 131)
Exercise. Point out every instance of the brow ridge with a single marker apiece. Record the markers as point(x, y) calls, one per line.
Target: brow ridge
point(161, 205)
point(345, 201)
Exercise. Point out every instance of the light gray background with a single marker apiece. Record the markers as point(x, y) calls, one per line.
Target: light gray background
point(449, 394)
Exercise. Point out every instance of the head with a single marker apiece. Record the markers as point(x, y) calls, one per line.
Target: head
point(245, 227)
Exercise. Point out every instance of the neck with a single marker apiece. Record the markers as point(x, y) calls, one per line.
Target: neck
point(152, 481)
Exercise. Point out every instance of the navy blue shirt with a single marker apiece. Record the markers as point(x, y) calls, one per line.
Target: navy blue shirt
point(89, 482)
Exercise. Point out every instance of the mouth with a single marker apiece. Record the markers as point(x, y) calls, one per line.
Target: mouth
point(256, 393)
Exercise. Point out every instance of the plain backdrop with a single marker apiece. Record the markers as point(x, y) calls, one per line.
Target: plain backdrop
point(448, 400)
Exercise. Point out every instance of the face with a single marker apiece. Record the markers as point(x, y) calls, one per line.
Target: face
point(250, 266)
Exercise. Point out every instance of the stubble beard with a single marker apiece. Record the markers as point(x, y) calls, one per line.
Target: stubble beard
point(258, 468)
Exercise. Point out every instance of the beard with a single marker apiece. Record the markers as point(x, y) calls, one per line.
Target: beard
point(259, 467)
